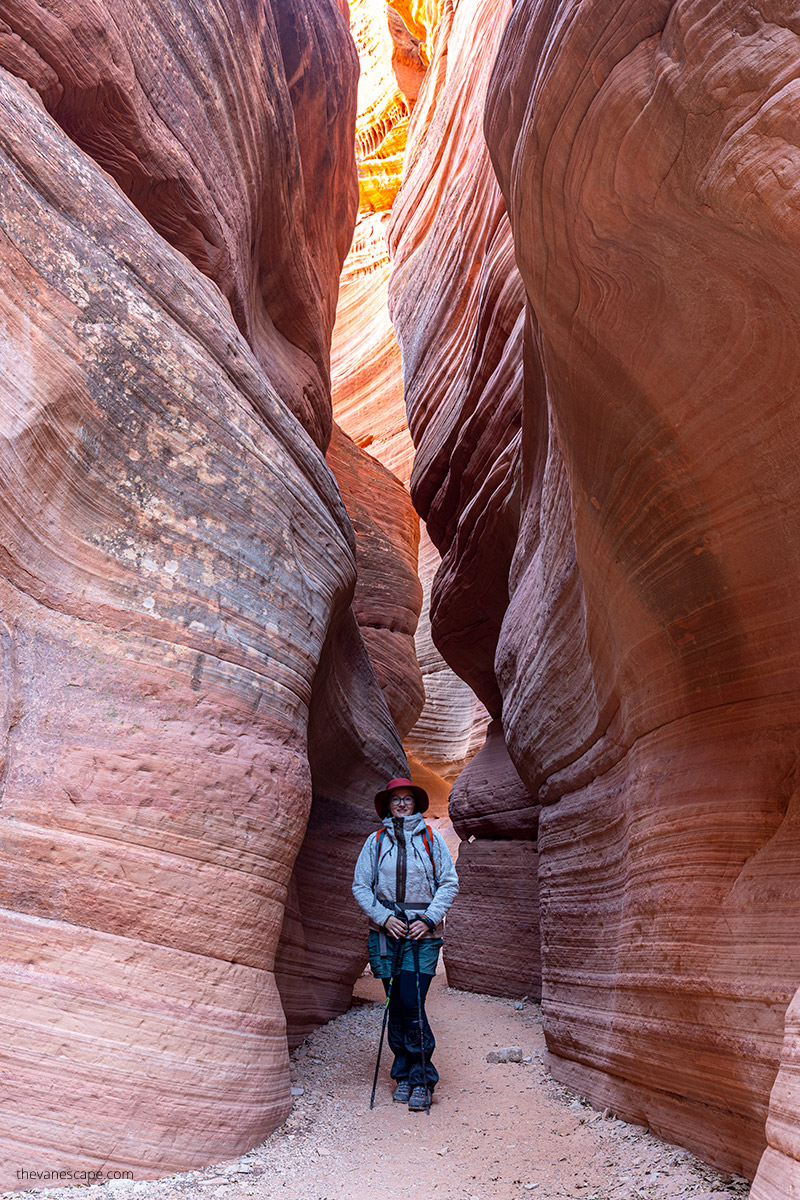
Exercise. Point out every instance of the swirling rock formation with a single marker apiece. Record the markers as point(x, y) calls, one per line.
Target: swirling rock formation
point(462, 360)
point(181, 663)
point(493, 927)
point(462, 357)
point(452, 725)
point(644, 658)
point(640, 152)
point(393, 65)
point(388, 594)
point(366, 371)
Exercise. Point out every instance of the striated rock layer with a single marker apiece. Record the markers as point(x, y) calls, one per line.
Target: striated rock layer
point(366, 371)
point(452, 724)
point(458, 305)
point(181, 662)
point(493, 927)
point(388, 592)
point(634, 620)
point(498, 887)
point(461, 344)
point(639, 149)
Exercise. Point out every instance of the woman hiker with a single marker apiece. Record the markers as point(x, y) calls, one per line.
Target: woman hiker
point(406, 868)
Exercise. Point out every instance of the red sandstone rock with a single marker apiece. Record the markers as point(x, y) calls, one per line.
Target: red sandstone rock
point(461, 342)
point(210, 120)
point(640, 149)
point(493, 929)
point(176, 574)
point(366, 372)
point(498, 893)
point(646, 666)
point(489, 800)
point(388, 594)
point(452, 725)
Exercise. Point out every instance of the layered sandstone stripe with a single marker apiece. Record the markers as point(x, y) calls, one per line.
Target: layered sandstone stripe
point(644, 660)
point(649, 656)
point(181, 664)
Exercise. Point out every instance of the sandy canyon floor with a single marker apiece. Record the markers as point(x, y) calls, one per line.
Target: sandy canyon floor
point(495, 1131)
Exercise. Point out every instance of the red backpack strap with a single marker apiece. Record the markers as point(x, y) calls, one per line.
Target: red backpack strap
point(427, 838)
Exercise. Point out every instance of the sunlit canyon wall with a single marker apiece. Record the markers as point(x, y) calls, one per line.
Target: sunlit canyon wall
point(366, 370)
point(610, 474)
point(458, 306)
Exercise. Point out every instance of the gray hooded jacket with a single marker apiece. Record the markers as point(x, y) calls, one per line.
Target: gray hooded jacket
point(404, 876)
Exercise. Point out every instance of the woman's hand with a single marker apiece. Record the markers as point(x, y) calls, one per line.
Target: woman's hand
point(398, 929)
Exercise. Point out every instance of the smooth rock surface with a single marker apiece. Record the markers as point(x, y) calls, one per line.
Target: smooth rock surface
point(176, 572)
point(653, 695)
point(366, 371)
point(461, 344)
point(489, 799)
point(635, 626)
point(452, 725)
point(388, 593)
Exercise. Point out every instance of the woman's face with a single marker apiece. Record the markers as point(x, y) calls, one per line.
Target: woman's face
point(402, 802)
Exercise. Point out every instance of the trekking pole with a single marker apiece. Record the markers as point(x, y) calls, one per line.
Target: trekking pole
point(395, 960)
point(415, 953)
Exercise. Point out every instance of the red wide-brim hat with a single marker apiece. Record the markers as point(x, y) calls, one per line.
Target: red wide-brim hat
point(382, 797)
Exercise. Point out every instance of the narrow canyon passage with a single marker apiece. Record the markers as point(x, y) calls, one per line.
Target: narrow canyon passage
point(440, 421)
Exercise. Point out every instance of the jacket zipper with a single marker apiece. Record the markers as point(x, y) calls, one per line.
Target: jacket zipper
point(400, 869)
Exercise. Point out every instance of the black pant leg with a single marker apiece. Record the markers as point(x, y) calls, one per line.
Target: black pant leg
point(406, 1000)
point(396, 1030)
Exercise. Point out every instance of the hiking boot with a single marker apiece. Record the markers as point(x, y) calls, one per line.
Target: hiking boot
point(402, 1092)
point(419, 1099)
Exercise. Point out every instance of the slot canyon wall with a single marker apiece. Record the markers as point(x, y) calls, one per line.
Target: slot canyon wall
point(461, 338)
point(187, 697)
point(607, 443)
point(366, 369)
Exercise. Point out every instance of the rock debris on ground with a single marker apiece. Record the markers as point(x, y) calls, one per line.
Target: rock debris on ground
point(496, 1131)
